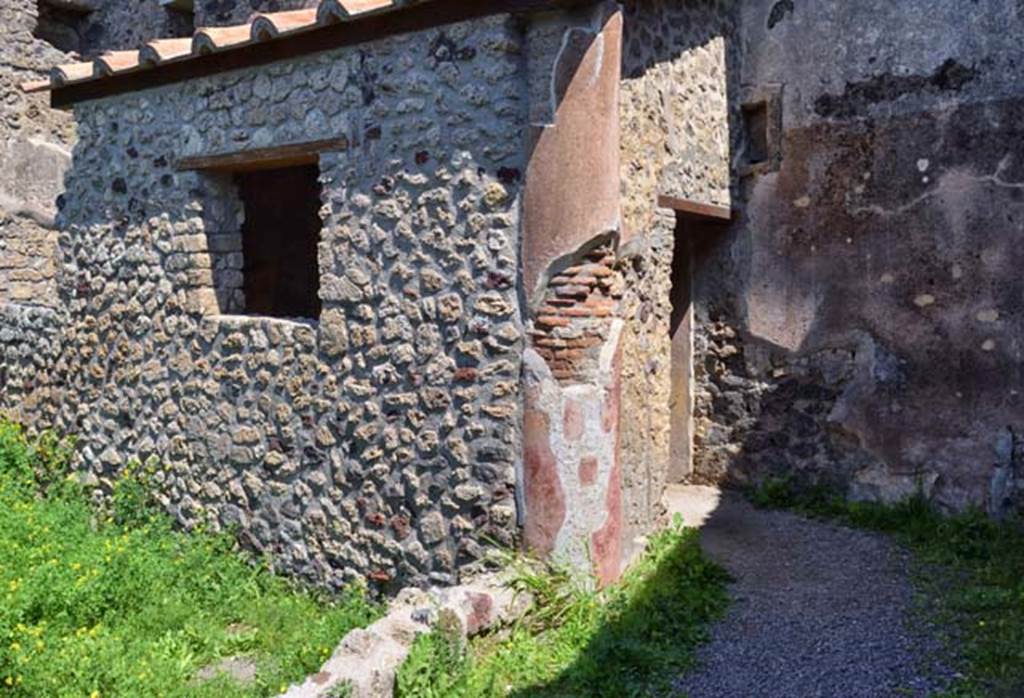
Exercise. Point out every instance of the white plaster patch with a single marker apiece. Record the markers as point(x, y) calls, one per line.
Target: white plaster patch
point(924, 300)
point(802, 202)
point(585, 508)
point(988, 345)
point(987, 315)
point(923, 164)
point(887, 278)
point(957, 271)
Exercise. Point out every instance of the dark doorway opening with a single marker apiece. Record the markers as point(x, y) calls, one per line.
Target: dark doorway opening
point(698, 228)
point(281, 274)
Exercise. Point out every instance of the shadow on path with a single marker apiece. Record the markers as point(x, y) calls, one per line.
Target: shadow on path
point(818, 610)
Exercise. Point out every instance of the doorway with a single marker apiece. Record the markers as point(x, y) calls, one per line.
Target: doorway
point(698, 227)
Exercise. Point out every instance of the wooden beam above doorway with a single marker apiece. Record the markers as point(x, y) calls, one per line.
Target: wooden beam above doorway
point(264, 158)
point(695, 210)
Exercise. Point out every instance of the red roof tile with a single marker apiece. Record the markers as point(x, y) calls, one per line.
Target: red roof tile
point(207, 40)
point(163, 50)
point(213, 49)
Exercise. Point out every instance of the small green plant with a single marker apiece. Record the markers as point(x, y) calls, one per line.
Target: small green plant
point(435, 664)
point(629, 639)
point(345, 689)
point(971, 570)
point(118, 603)
point(131, 501)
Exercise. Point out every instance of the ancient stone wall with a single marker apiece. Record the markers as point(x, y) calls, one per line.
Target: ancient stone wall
point(35, 145)
point(597, 374)
point(676, 132)
point(35, 150)
point(380, 440)
point(30, 341)
point(674, 104)
point(644, 265)
point(212, 13)
point(862, 324)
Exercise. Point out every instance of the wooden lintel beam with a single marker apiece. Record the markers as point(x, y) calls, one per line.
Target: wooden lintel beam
point(264, 158)
point(695, 210)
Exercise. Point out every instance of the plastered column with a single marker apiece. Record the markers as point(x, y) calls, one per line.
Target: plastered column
point(572, 475)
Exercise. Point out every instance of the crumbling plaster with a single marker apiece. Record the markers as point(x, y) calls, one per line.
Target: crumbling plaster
point(861, 324)
point(858, 325)
point(572, 478)
point(664, 129)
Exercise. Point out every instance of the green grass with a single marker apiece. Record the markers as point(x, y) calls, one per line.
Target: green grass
point(971, 569)
point(119, 603)
point(630, 639)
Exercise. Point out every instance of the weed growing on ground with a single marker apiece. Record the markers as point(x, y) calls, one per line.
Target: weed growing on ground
point(981, 589)
point(115, 602)
point(630, 639)
point(435, 665)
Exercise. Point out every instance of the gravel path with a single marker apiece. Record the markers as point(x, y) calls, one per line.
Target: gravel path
point(818, 610)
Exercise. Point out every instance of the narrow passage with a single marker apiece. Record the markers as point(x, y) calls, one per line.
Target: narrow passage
point(817, 609)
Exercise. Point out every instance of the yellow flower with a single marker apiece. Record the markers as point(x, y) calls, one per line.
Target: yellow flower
point(94, 694)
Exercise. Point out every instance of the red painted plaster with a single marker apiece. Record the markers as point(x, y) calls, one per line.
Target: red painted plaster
point(480, 617)
point(588, 471)
point(572, 179)
point(607, 541)
point(572, 423)
point(545, 500)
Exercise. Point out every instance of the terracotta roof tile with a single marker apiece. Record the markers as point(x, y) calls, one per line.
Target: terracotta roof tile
point(340, 10)
point(115, 62)
point(210, 39)
point(163, 50)
point(263, 27)
point(271, 25)
point(71, 72)
point(35, 86)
